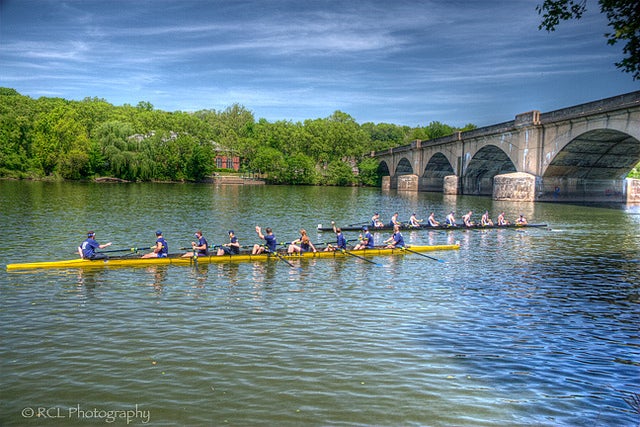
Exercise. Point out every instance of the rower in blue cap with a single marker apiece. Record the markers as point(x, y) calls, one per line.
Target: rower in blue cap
point(88, 248)
point(367, 240)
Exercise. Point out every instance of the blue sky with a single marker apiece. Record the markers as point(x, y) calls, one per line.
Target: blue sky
point(403, 62)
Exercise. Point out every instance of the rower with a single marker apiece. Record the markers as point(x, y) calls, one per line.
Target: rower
point(466, 219)
point(501, 220)
point(161, 248)
point(394, 220)
point(413, 221)
point(270, 241)
point(432, 220)
point(375, 220)
point(201, 248)
point(231, 248)
point(451, 220)
point(395, 241)
point(366, 241)
point(485, 220)
point(341, 242)
point(521, 220)
point(302, 244)
point(89, 246)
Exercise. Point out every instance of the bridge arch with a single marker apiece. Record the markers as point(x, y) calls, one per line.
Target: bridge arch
point(434, 172)
point(596, 154)
point(488, 162)
point(404, 167)
point(595, 162)
point(383, 169)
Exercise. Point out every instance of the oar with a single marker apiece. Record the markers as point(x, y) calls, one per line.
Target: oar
point(421, 254)
point(358, 223)
point(283, 259)
point(361, 257)
point(191, 249)
point(125, 250)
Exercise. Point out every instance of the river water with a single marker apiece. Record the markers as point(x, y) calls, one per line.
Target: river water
point(518, 328)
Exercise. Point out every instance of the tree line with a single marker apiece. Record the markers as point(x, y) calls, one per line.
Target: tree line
point(62, 139)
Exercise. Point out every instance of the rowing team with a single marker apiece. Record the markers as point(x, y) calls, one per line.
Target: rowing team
point(450, 220)
point(200, 247)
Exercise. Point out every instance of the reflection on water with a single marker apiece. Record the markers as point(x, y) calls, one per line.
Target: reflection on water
point(518, 327)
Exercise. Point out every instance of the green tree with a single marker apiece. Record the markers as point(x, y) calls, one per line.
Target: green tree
point(438, 130)
point(106, 155)
point(56, 133)
point(339, 173)
point(300, 170)
point(368, 172)
point(270, 161)
point(199, 164)
point(383, 136)
point(16, 123)
point(74, 165)
point(624, 20)
point(335, 138)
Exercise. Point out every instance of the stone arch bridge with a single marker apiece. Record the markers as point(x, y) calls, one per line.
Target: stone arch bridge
point(577, 154)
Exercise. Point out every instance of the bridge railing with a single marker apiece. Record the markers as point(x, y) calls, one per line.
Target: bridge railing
point(602, 106)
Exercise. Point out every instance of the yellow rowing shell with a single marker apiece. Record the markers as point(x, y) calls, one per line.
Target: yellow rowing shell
point(177, 260)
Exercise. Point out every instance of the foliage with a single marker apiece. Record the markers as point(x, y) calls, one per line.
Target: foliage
point(624, 20)
point(300, 169)
point(340, 173)
point(53, 137)
point(368, 168)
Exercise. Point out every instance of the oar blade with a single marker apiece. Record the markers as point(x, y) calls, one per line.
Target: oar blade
point(423, 255)
point(361, 257)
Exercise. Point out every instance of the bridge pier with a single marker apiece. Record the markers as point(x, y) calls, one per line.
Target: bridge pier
point(408, 183)
point(515, 187)
point(386, 183)
point(451, 185)
point(633, 191)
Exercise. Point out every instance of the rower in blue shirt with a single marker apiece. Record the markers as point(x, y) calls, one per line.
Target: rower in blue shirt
point(231, 248)
point(271, 244)
point(367, 241)
point(88, 248)
point(199, 248)
point(341, 241)
point(161, 248)
point(395, 241)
